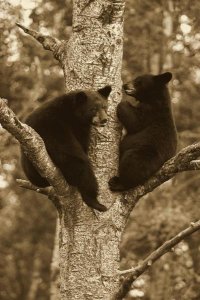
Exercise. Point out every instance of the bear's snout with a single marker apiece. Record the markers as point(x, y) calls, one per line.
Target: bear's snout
point(100, 119)
point(129, 88)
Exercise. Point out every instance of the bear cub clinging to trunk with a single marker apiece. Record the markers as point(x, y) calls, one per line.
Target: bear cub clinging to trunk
point(64, 125)
point(150, 138)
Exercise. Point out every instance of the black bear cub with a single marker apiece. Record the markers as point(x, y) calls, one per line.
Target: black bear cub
point(150, 138)
point(64, 124)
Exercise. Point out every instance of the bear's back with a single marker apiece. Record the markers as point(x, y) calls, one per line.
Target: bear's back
point(159, 132)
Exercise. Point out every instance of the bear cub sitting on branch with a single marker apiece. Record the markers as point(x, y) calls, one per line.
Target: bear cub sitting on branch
point(64, 125)
point(151, 137)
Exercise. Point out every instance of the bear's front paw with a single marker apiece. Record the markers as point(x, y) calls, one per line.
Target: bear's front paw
point(115, 185)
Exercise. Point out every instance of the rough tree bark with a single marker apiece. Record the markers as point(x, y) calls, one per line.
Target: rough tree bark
point(89, 245)
point(89, 242)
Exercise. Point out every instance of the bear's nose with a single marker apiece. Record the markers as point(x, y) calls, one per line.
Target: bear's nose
point(102, 117)
point(129, 89)
point(103, 121)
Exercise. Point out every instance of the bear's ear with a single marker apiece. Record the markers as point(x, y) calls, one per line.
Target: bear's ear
point(105, 91)
point(81, 97)
point(164, 78)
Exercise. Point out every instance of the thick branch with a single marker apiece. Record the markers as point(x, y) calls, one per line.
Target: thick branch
point(185, 160)
point(33, 146)
point(153, 257)
point(48, 42)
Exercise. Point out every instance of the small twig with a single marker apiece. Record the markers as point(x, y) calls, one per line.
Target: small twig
point(48, 42)
point(48, 191)
point(125, 272)
point(29, 186)
point(153, 257)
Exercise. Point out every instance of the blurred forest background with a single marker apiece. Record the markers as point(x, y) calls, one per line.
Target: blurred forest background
point(158, 35)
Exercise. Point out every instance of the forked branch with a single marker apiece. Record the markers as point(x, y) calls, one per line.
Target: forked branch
point(153, 257)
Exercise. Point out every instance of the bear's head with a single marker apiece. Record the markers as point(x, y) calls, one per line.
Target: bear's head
point(147, 88)
point(90, 107)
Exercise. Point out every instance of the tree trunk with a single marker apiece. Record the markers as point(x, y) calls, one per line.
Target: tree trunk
point(89, 242)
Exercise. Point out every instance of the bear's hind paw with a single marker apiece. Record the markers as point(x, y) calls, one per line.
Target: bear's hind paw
point(115, 185)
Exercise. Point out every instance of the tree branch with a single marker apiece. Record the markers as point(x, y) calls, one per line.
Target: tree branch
point(29, 186)
point(34, 148)
point(48, 191)
point(48, 42)
point(185, 160)
point(153, 257)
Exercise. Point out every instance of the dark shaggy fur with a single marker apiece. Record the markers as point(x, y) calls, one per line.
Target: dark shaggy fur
point(151, 137)
point(64, 124)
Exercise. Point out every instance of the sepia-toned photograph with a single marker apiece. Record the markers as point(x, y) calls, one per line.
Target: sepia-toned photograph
point(99, 150)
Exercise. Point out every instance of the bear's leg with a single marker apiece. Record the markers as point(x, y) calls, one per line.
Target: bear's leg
point(133, 171)
point(128, 172)
point(88, 188)
point(31, 173)
point(130, 169)
point(78, 172)
point(137, 166)
point(115, 185)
